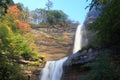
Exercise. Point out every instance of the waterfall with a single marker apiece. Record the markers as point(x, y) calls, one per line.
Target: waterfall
point(53, 70)
point(78, 39)
point(81, 38)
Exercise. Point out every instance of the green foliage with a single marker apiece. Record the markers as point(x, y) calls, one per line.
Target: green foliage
point(12, 47)
point(20, 6)
point(17, 45)
point(49, 17)
point(101, 69)
point(7, 21)
point(3, 31)
point(106, 27)
point(105, 31)
point(56, 17)
point(4, 4)
point(12, 42)
point(9, 71)
point(98, 3)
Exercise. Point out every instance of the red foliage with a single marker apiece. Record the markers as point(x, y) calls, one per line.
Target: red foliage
point(23, 26)
point(14, 12)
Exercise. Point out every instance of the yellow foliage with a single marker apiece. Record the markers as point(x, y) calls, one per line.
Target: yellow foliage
point(31, 42)
point(9, 29)
point(33, 48)
point(44, 55)
point(29, 38)
point(5, 30)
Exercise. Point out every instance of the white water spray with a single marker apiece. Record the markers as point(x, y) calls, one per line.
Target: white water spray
point(78, 39)
point(53, 70)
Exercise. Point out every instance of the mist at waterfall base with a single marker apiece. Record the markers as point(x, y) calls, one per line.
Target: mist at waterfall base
point(53, 69)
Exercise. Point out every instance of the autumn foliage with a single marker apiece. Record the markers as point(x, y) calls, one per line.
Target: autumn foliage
point(23, 26)
point(14, 13)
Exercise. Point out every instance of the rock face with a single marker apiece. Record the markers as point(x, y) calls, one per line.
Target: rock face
point(72, 67)
point(54, 44)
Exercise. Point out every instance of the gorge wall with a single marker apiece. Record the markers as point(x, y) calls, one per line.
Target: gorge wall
point(73, 69)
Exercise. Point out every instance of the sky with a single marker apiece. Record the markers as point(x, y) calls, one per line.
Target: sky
point(75, 9)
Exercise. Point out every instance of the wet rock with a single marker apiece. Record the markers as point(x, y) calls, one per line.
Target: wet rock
point(72, 66)
point(81, 57)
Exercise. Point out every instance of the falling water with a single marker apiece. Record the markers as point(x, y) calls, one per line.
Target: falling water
point(53, 70)
point(81, 38)
point(78, 39)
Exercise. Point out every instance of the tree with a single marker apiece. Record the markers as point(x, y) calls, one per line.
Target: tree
point(25, 15)
point(14, 12)
point(49, 4)
point(20, 6)
point(38, 16)
point(34, 17)
point(106, 30)
point(4, 4)
point(97, 3)
point(24, 12)
point(56, 17)
point(107, 33)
